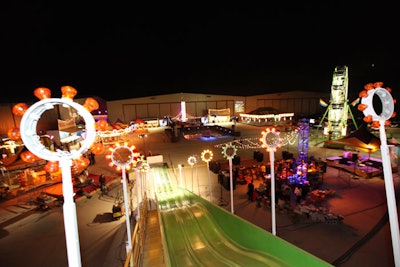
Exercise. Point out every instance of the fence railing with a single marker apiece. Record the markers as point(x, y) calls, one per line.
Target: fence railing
point(134, 256)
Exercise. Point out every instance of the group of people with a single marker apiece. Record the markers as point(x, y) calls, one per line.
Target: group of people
point(289, 193)
point(257, 193)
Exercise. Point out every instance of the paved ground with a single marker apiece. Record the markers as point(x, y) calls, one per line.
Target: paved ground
point(362, 239)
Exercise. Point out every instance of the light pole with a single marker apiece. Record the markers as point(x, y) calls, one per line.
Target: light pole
point(192, 160)
point(180, 175)
point(271, 141)
point(229, 152)
point(32, 142)
point(141, 183)
point(207, 156)
point(367, 106)
point(122, 156)
point(144, 168)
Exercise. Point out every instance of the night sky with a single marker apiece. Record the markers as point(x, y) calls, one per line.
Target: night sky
point(118, 51)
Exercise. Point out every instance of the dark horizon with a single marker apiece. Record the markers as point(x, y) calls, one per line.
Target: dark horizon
point(118, 52)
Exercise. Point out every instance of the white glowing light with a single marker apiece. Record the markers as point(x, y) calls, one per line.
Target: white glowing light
point(270, 139)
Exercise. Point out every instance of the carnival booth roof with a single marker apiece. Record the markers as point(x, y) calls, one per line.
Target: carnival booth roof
point(361, 139)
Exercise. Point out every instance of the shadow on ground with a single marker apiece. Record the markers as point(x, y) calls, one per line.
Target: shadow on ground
point(103, 218)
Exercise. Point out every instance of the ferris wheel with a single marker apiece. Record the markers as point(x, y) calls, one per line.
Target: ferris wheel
point(338, 109)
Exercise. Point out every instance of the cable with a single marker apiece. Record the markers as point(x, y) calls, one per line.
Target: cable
point(347, 255)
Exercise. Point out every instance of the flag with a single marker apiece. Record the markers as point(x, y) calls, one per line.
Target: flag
point(323, 103)
point(355, 102)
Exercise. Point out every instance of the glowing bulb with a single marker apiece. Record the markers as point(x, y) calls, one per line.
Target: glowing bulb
point(52, 166)
point(42, 93)
point(91, 104)
point(68, 92)
point(19, 109)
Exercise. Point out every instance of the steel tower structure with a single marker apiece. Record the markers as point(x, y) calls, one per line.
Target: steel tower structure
point(338, 109)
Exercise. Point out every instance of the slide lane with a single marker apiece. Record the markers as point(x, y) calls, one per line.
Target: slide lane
point(198, 233)
point(196, 240)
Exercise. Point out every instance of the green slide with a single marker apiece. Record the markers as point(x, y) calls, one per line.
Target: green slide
point(199, 233)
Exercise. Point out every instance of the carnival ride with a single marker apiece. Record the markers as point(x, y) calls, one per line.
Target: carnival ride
point(209, 236)
point(338, 109)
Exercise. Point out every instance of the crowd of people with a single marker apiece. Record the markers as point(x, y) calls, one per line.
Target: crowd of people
point(288, 193)
point(291, 182)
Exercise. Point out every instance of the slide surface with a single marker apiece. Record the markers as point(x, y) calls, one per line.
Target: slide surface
point(199, 233)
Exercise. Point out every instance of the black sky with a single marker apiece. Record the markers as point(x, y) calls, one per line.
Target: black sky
point(118, 51)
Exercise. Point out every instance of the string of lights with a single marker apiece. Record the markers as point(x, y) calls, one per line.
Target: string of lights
point(255, 143)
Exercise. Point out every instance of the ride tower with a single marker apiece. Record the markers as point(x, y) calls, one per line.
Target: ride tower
point(338, 109)
point(304, 133)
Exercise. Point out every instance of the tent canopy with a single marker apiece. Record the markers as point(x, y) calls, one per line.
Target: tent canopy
point(361, 139)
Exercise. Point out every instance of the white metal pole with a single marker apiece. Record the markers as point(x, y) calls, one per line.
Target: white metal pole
point(143, 179)
point(272, 162)
point(70, 218)
point(180, 175)
point(126, 200)
point(209, 180)
point(390, 194)
point(231, 183)
point(192, 179)
point(198, 183)
point(140, 185)
point(28, 132)
point(137, 194)
point(143, 182)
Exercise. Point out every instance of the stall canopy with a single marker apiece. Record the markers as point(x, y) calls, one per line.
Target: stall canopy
point(361, 139)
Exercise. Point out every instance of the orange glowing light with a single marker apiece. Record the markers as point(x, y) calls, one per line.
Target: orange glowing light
point(91, 104)
point(123, 156)
point(19, 109)
point(42, 93)
point(363, 93)
point(361, 107)
point(375, 124)
point(369, 86)
point(51, 166)
point(97, 148)
point(101, 125)
point(29, 157)
point(68, 92)
point(14, 134)
point(80, 163)
point(368, 119)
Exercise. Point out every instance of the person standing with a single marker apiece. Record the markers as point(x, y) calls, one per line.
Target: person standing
point(250, 190)
point(103, 185)
point(298, 192)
